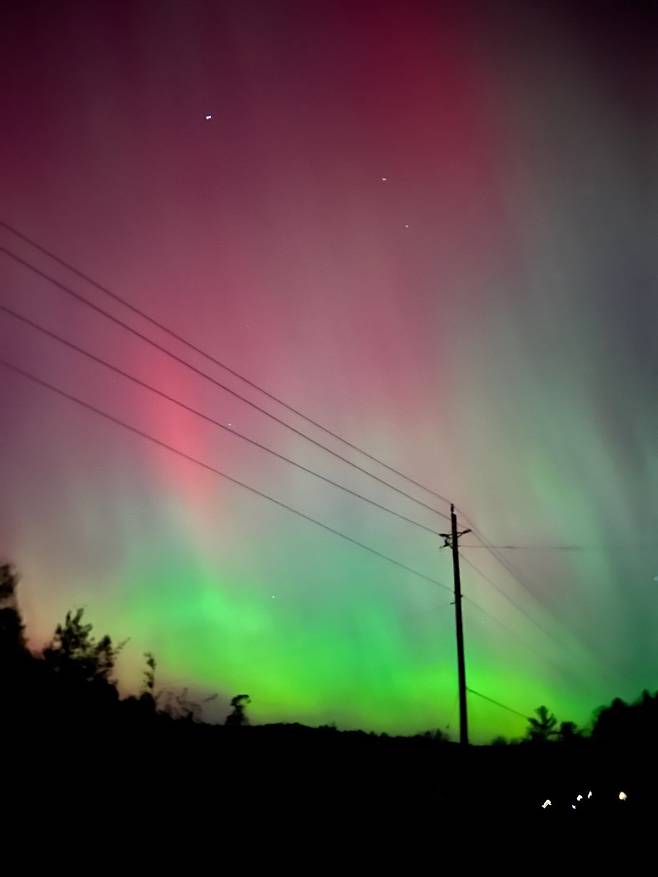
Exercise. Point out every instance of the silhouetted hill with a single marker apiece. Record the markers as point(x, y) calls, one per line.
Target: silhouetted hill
point(69, 739)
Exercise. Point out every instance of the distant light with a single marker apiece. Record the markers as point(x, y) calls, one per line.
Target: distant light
point(579, 798)
point(589, 794)
point(405, 225)
point(208, 117)
point(547, 803)
point(573, 806)
point(230, 424)
point(623, 796)
point(384, 179)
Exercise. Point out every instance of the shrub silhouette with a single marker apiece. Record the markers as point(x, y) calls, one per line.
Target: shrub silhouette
point(543, 728)
point(238, 717)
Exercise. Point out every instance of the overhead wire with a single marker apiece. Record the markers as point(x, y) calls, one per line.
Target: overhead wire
point(82, 299)
point(497, 703)
point(492, 549)
point(134, 379)
point(504, 594)
point(538, 547)
point(514, 573)
point(532, 620)
point(180, 338)
point(92, 305)
point(116, 420)
point(511, 632)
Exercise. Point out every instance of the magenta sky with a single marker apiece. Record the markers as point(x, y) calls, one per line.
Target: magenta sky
point(430, 229)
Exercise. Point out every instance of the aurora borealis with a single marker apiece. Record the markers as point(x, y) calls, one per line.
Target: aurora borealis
point(428, 226)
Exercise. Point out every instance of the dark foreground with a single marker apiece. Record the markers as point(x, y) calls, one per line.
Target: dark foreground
point(174, 773)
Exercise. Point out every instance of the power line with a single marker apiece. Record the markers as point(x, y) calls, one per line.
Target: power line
point(487, 545)
point(515, 635)
point(635, 547)
point(500, 591)
point(79, 297)
point(502, 624)
point(498, 703)
point(517, 606)
point(45, 384)
point(173, 334)
point(501, 559)
point(539, 547)
point(206, 417)
point(510, 600)
point(493, 550)
point(515, 575)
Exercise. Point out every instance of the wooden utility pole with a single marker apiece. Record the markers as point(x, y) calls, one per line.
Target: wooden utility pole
point(452, 540)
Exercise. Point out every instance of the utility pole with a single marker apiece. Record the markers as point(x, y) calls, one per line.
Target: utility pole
point(451, 540)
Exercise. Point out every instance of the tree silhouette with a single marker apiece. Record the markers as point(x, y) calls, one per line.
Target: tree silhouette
point(569, 732)
point(238, 717)
point(437, 735)
point(149, 674)
point(625, 724)
point(17, 665)
point(64, 705)
point(543, 728)
point(75, 657)
point(12, 637)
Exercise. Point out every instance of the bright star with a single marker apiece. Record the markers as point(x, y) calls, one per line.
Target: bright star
point(208, 117)
point(384, 179)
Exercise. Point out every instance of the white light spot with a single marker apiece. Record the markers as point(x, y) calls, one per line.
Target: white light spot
point(579, 798)
point(406, 225)
point(208, 117)
point(547, 803)
point(573, 806)
point(589, 794)
point(274, 596)
point(230, 424)
point(623, 796)
point(384, 179)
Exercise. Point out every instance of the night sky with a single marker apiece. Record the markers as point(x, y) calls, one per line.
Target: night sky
point(430, 227)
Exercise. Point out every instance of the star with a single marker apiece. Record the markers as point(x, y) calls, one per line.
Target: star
point(384, 179)
point(406, 225)
point(208, 117)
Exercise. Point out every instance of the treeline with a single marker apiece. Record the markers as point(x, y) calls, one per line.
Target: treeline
point(72, 679)
point(61, 706)
point(74, 676)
